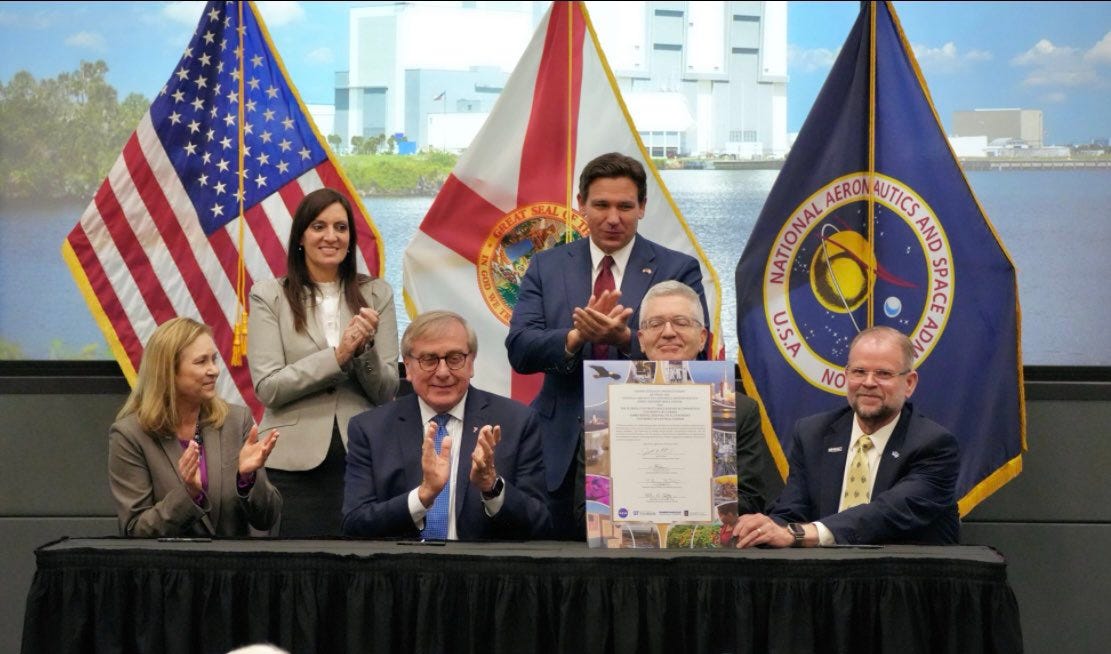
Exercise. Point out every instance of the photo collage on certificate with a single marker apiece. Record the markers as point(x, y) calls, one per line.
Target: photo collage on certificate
point(660, 451)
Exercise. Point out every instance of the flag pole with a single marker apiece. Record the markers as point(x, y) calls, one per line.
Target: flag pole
point(570, 112)
point(239, 331)
point(871, 267)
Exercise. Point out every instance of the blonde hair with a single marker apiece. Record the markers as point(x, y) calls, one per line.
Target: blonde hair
point(882, 332)
point(154, 397)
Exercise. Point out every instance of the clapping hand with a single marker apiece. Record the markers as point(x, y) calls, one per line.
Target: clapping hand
point(359, 332)
point(436, 468)
point(483, 472)
point(254, 452)
point(189, 468)
point(603, 320)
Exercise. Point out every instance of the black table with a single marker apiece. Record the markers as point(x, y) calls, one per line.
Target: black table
point(116, 595)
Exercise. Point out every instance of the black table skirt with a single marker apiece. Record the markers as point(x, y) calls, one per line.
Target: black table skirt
point(115, 595)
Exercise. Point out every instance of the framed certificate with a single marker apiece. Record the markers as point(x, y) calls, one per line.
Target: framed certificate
point(660, 449)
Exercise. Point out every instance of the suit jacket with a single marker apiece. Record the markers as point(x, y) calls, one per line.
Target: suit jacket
point(914, 494)
point(298, 380)
point(557, 281)
point(752, 458)
point(152, 500)
point(383, 466)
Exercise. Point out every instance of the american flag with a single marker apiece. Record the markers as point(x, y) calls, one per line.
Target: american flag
point(160, 239)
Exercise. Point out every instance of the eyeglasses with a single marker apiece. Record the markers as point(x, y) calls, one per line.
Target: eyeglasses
point(454, 360)
point(678, 322)
point(860, 374)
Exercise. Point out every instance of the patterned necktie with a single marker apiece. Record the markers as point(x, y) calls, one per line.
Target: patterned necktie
point(435, 520)
point(602, 284)
point(858, 487)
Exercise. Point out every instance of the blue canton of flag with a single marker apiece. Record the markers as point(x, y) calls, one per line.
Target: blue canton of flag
point(160, 239)
point(872, 222)
point(197, 118)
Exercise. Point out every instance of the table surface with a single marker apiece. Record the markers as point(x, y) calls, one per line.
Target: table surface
point(530, 549)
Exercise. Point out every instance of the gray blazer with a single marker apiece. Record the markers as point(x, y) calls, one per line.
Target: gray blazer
point(151, 499)
point(298, 380)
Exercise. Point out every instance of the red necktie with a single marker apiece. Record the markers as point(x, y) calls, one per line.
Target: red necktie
point(602, 284)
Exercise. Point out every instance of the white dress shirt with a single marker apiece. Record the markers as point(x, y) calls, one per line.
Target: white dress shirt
point(879, 442)
point(620, 262)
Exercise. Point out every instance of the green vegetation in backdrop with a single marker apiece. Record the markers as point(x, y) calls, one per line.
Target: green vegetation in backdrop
point(60, 136)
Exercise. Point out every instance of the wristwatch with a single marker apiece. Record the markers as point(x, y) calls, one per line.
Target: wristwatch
point(499, 486)
point(798, 532)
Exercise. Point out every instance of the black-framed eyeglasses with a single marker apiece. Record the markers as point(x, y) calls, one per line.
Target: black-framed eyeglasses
point(860, 374)
point(678, 322)
point(454, 361)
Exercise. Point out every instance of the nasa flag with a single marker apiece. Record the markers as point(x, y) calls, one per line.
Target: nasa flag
point(872, 222)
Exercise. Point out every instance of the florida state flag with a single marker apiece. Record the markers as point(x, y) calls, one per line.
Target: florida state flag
point(511, 194)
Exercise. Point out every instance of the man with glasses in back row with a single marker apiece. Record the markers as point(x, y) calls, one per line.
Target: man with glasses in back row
point(875, 472)
point(449, 462)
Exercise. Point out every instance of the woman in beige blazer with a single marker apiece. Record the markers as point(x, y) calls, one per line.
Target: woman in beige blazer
point(181, 462)
point(322, 345)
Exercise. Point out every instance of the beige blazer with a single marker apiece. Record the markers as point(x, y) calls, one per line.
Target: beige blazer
point(151, 499)
point(298, 380)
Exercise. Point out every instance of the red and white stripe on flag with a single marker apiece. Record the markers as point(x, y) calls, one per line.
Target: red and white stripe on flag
point(560, 108)
point(160, 239)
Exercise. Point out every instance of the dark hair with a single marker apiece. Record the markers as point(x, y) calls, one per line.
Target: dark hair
point(298, 284)
point(612, 165)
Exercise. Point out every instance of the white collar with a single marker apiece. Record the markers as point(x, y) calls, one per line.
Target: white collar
point(620, 257)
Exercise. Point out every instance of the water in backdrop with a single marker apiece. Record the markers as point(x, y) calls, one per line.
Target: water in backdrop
point(1056, 224)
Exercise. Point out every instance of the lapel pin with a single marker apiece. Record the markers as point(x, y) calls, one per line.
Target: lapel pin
point(895, 454)
point(474, 430)
point(835, 449)
point(646, 271)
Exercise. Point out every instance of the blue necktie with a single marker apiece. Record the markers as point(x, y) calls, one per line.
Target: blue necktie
point(435, 521)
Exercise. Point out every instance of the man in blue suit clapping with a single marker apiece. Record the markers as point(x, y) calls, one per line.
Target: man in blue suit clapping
point(577, 302)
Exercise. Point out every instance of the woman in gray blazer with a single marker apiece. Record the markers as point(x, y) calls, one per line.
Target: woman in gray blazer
point(181, 462)
point(322, 346)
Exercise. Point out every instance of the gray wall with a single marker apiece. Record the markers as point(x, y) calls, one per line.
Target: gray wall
point(1053, 523)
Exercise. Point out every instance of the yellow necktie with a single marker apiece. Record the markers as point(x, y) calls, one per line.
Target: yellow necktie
point(858, 487)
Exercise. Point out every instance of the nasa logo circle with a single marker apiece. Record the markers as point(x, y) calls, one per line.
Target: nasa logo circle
point(515, 238)
point(622, 513)
point(830, 274)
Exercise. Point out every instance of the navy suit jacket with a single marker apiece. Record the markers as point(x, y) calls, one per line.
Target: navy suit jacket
point(383, 466)
point(913, 497)
point(557, 281)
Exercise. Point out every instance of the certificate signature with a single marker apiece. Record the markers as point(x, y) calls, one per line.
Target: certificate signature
point(661, 451)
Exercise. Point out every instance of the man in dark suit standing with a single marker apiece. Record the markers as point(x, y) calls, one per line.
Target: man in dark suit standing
point(875, 472)
point(575, 303)
point(450, 461)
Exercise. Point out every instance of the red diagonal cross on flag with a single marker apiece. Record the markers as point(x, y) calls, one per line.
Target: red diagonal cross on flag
point(511, 192)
